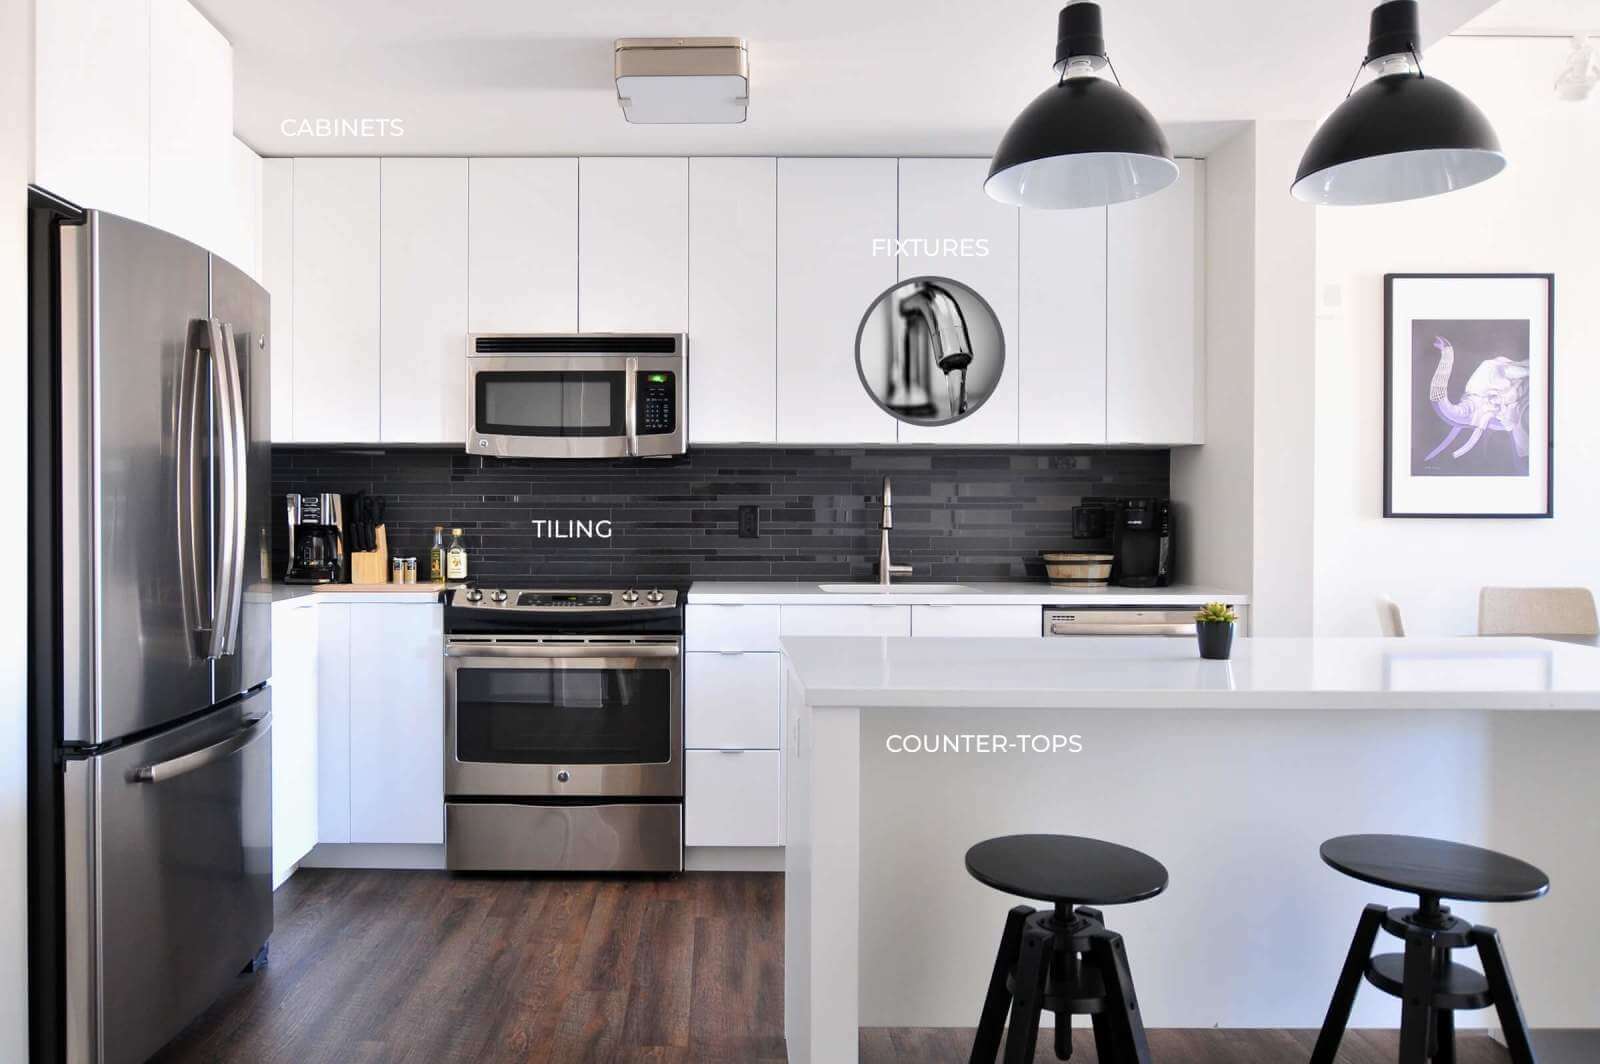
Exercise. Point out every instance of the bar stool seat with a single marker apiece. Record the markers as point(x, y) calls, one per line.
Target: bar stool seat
point(1066, 869)
point(1430, 986)
point(1063, 960)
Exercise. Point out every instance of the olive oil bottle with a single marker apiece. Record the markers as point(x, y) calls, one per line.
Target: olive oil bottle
point(436, 556)
point(456, 557)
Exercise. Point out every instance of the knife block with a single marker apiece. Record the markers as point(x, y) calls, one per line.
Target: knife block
point(371, 566)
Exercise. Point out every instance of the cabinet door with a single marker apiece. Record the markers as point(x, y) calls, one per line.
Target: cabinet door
point(244, 209)
point(191, 126)
point(1154, 350)
point(730, 701)
point(294, 735)
point(732, 798)
point(91, 77)
point(830, 212)
point(1061, 327)
point(733, 310)
point(333, 722)
point(397, 723)
point(523, 250)
point(943, 200)
point(976, 622)
point(336, 300)
point(423, 330)
point(845, 620)
point(633, 245)
point(277, 276)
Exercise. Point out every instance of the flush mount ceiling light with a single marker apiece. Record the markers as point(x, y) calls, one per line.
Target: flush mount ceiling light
point(1402, 136)
point(1085, 141)
point(683, 79)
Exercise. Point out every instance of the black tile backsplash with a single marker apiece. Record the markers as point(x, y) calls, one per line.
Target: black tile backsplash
point(958, 514)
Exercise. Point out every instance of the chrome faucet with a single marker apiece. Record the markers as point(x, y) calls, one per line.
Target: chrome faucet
point(936, 338)
point(886, 568)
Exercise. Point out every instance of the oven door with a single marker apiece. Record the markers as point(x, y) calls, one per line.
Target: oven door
point(546, 717)
point(543, 406)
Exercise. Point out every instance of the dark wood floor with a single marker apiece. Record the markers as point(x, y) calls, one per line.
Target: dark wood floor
point(424, 968)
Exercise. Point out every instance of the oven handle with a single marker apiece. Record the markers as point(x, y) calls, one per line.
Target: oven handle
point(468, 649)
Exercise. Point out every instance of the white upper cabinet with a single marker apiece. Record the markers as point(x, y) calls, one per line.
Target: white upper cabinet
point(733, 308)
point(336, 333)
point(633, 245)
point(423, 331)
point(1061, 331)
point(92, 103)
point(1154, 350)
point(829, 213)
point(523, 245)
point(942, 200)
point(191, 127)
point(277, 276)
point(244, 209)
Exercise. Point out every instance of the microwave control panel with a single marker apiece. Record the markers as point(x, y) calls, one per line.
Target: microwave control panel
point(657, 411)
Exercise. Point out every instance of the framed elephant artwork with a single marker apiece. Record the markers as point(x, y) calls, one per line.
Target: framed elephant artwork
point(1468, 394)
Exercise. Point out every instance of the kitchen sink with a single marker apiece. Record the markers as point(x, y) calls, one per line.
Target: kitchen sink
point(874, 588)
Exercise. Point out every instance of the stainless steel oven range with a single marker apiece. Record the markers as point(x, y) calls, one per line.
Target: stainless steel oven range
point(563, 730)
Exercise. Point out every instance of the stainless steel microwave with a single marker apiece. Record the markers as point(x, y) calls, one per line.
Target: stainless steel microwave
point(587, 395)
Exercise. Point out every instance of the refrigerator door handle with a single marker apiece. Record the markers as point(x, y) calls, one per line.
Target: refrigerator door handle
point(193, 533)
point(206, 755)
point(233, 433)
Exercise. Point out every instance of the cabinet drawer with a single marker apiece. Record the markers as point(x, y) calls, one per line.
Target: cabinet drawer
point(976, 621)
point(846, 620)
point(714, 627)
point(732, 798)
point(731, 701)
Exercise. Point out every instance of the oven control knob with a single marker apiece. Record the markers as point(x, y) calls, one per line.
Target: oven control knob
point(474, 595)
point(563, 776)
point(630, 595)
point(655, 595)
point(500, 595)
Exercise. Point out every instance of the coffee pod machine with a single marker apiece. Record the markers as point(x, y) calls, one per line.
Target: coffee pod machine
point(316, 539)
point(1141, 543)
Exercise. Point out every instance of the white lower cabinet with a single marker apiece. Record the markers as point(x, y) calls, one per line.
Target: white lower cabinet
point(731, 701)
point(845, 620)
point(294, 735)
point(380, 726)
point(977, 621)
point(732, 798)
point(397, 723)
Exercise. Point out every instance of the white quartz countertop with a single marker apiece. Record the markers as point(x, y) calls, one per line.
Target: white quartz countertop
point(311, 593)
point(1166, 673)
point(739, 593)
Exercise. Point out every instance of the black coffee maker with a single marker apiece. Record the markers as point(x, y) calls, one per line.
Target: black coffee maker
point(316, 539)
point(1141, 543)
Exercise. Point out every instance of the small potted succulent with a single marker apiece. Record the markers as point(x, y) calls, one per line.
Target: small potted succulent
point(1214, 626)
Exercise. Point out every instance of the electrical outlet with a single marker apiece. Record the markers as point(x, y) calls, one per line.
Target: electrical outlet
point(749, 522)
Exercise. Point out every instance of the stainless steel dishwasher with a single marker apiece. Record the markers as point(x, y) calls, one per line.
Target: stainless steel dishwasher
point(1173, 620)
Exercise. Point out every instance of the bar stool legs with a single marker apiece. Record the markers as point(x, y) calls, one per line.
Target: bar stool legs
point(1506, 1002)
point(1344, 992)
point(1065, 961)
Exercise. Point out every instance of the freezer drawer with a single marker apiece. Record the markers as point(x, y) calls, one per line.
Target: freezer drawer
point(168, 878)
point(601, 837)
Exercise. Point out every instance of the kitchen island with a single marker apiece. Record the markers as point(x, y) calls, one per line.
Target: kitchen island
point(902, 753)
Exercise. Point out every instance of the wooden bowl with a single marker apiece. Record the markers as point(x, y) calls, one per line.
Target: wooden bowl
point(1078, 568)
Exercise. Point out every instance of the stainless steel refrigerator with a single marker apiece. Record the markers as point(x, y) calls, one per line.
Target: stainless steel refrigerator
point(150, 843)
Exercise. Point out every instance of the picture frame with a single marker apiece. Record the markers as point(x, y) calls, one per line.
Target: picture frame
point(1469, 395)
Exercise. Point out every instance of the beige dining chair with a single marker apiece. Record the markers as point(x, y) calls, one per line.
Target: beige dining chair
point(1389, 620)
point(1537, 611)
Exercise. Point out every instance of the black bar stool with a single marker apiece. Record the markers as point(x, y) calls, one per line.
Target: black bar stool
point(1430, 987)
point(1064, 960)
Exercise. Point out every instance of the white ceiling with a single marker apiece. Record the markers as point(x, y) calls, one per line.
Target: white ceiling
point(871, 77)
point(1539, 17)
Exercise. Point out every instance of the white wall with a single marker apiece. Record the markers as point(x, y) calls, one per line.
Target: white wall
point(1245, 498)
point(1540, 215)
point(16, 170)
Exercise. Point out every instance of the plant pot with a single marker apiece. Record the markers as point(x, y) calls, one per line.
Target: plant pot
point(1216, 639)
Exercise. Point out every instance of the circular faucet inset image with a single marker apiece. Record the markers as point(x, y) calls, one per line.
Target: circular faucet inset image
point(930, 351)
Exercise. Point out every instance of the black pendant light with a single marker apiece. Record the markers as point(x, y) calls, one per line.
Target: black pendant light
point(1085, 141)
point(1404, 135)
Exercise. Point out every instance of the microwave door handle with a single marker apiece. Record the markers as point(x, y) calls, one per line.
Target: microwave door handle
point(193, 528)
point(232, 440)
point(630, 400)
